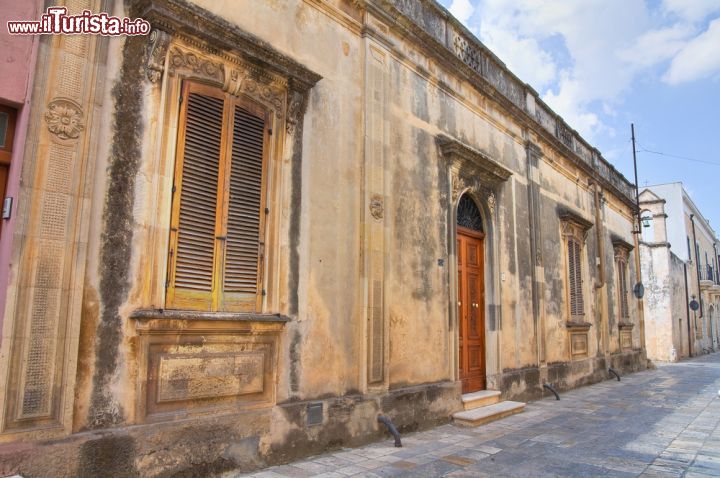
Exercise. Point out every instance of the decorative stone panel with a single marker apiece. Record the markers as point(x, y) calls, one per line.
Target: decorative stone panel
point(578, 339)
point(191, 363)
point(626, 336)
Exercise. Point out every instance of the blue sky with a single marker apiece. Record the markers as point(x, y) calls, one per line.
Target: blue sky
point(603, 64)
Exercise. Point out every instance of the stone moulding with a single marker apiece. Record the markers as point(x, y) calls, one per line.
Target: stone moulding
point(472, 170)
point(192, 363)
point(620, 243)
point(448, 41)
point(706, 284)
point(157, 48)
point(483, 166)
point(625, 329)
point(142, 315)
point(578, 336)
point(178, 17)
point(568, 215)
point(258, 69)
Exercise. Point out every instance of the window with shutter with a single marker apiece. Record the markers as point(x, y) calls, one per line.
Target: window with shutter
point(216, 242)
point(577, 306)
point(574, 230)
point(623, 289)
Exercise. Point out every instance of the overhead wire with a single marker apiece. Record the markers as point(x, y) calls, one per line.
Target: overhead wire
point(645, 150)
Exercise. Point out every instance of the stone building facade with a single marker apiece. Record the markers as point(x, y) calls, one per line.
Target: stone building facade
point(676, 273)
point(267, 222)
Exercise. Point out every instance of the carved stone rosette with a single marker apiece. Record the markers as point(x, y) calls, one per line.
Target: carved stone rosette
point(64, 118)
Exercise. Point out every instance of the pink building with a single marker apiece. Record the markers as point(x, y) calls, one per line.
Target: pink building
point(18, 54)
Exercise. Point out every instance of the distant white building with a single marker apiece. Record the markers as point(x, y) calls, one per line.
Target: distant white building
point(679, 261)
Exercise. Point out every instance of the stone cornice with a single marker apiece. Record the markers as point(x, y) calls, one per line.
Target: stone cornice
point(567, 214)
point(167, 314)
point(488, 169)
point(655, 244)
point(179, 17)
point(453, 46)
point(620, 243)
point(652, 201)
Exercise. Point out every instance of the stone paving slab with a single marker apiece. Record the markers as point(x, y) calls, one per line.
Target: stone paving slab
point(656, 424)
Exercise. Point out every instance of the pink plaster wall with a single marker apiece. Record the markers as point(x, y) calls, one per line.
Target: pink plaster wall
point(16, 51)
point(17, 56)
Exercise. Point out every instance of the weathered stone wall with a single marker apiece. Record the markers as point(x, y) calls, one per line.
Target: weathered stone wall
point(359, 316)
point(679, 307)
point(659, 295)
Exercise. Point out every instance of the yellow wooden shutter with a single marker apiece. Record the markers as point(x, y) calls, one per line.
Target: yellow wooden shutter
point(622, 285)
point(217, 240)
point(194, 249)
point(246, 210)
point(577, 305)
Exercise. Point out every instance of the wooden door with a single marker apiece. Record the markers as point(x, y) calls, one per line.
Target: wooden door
point(7, 134)
point(471, 308)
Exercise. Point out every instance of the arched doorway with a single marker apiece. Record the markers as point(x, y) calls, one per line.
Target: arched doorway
point(712, 332)
point(471, 295)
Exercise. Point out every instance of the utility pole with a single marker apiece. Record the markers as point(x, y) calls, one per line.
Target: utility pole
point(696, 248)
point(636, 234)
point(637, 189)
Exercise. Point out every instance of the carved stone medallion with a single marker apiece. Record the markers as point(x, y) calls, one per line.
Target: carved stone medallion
point(377, 209)
point(64, 118)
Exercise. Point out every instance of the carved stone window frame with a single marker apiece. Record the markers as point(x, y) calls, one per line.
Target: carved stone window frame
point(476, 174)
point(622, 250)
point(187, 61)
point(191, 44)
point(574, 227)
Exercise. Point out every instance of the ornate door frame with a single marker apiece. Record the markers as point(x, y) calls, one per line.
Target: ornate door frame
point(474, 173)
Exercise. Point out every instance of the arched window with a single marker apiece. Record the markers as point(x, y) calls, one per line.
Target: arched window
point(648, 232)
point(468, 214)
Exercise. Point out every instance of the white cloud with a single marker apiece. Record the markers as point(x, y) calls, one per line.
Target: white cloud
point(700, 58)
point(656, 46)
point(583, 66)
point(691, 10)
point(525, 56)
point(566, 102)
point(583, 57)
point(462, 10)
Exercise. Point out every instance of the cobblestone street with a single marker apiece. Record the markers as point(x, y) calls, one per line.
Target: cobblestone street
point(659, 423)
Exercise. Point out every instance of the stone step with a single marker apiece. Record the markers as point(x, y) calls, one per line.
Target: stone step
point(480, 399)
point(480, 416)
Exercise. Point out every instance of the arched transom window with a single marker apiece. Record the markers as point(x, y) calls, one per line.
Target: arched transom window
point(468, 214)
